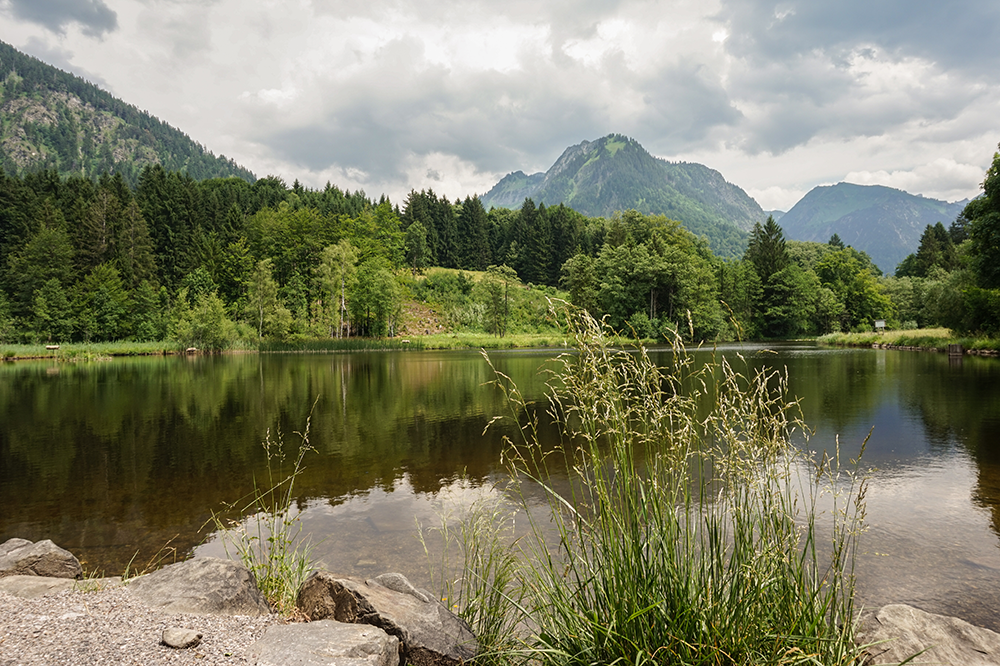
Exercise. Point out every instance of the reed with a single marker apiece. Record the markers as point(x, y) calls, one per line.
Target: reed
point(265, 533)
point(681, 523)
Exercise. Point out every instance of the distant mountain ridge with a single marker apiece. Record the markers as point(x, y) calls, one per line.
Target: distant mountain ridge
point(882, 221)
point(616, 173)
point(55, 120)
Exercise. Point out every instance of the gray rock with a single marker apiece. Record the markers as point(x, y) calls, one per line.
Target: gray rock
point(400, 583)
point(202, 586)
point(180, 638)
point(428, 632)
point(20, 557)
point(325, 643)
point(896, 632)
point(30, 587)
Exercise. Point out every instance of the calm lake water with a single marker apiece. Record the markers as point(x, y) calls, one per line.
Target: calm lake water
point(114, 460)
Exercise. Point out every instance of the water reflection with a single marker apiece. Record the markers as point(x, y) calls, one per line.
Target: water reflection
point(110, 459)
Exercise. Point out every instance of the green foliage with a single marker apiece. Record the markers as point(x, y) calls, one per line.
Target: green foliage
point(416, 247)
point(766, 249)
point(495, 294)
point(265, 312)
point(983, 214)
point(376, 298)
point(854, 285)
point(335, 277)
point(51, 314)
point(205, 325)
point(7, 324)
point(657, 268)
point(104, 308)
point(936, 251)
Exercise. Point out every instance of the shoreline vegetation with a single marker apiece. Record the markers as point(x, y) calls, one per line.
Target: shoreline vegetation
point(925, 339)
point(83, 351)
point(928, 339)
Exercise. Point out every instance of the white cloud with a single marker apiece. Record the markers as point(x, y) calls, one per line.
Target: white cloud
point(944, 178)
point(451, 95)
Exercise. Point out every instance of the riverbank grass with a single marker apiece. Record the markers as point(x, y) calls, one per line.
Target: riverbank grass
point(682, 525)
point(87, 351)
point(925, 338)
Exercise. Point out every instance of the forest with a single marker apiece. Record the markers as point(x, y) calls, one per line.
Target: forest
point(224, 263)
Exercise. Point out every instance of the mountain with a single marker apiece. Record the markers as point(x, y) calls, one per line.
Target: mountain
point(54, 120)
point(615, 173)
point(882, 221)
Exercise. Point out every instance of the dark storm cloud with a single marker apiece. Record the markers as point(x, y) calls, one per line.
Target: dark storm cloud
point(960, 34)
point(379, 122)
point(822, 69)
point(683, 105)
point(93, 16)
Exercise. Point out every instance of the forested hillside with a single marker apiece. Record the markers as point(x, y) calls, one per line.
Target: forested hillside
point(222, 262)
point(883, 221)
point(55, 120)
point(616, 173)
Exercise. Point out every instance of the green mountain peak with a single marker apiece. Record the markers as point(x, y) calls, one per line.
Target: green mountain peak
point(616, 173)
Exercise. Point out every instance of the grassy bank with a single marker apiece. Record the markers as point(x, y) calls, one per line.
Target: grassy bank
point(418, 342)
point(84, 351)
point(924, 338)
point(96, 351)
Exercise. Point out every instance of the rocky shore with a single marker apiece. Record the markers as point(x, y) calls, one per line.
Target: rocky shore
point(209, 611)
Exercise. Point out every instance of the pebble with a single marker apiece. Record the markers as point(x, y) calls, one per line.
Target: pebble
point(180, 638)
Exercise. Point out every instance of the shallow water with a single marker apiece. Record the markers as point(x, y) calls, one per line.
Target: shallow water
point(114, 460)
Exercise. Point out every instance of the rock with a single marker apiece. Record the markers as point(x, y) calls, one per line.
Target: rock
point(896, 632)
point(428, 632)
point(325, 643)
point(20, 557)
point(202, 586)
point(180, 638)
point(400, 583)
point(29, 587)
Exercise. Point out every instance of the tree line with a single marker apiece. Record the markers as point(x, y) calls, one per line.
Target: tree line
point(220, 262)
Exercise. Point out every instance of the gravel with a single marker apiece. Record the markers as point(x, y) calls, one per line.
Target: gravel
point(111, 627)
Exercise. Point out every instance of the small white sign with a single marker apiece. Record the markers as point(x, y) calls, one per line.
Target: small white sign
point(880, 323)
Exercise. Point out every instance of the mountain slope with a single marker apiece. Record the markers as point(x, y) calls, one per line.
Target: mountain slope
point(615, 173)
point(882, 221)
point(50, 119)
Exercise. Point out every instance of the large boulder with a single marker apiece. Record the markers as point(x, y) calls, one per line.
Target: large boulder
point(202, 586)
point(325, 643)
point(429, 634)
point(896, 632)
point(20, 557)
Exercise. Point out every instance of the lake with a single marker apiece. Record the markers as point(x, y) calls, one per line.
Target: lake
point(123, 461)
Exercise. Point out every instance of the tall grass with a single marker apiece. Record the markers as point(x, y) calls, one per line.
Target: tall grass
point(682, 525)
point(927, 338)
point(265, 533)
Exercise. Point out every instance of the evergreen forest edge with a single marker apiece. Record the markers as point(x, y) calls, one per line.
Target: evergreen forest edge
point(225, 263)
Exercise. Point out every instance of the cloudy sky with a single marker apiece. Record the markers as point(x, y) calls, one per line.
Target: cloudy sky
point(452, 95)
